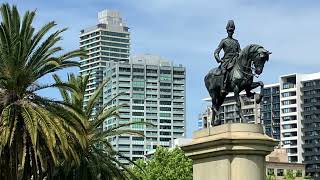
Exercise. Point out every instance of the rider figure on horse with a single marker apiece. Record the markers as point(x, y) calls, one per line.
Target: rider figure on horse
point(231, 49)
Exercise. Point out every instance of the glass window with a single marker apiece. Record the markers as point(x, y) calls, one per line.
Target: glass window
point(299, 173)
point(270, 171)
point(279, 172)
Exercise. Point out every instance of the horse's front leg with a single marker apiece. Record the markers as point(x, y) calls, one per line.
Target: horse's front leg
point(238, 103)
point(253, 86)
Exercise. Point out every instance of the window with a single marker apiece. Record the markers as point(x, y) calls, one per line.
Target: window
point(137, 152)
point(165, 96)
point(289, 126)
point(137, 77)
point(165, 71)
point(138, 70)
point(266, 91)
point(279, 172)
point(165, 102)
point(266, 115)
point(165, 139)
point(165, 84)
point(165, 121)
point(289, 118)
point(135, 101)
point(165, 114)
point(138, 107)
point(137, 138)
point(152, 71)
point(137, 126)
point(267, 107)
point(137, 146)
point(165, 90)
point(288, 110)
point(165, 78)
point(308, 84)
point(165, 133)
point(289, 134)
point(137, 83)
point(137, 89)
point(124, 138)
point(299, 173)
point(275, 90)
point(288, 94)
point(115, 34)
point(290, 142)
point(165, 109)
point(270, 171)
point(137, 113)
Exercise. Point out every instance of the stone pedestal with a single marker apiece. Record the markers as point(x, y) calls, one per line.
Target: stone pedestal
point(230, 152)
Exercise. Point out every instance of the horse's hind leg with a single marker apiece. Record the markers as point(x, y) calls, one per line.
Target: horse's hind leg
point(238, 103)
point(213, 109)
point(215, 121)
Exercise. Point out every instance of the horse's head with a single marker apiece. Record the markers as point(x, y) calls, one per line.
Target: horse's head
point(259, 59)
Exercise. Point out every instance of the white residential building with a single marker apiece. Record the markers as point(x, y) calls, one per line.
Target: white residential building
point(228, 111)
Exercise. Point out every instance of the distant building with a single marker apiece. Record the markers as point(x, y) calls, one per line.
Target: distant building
point(155, 92)
point(270, 110)
point(107, 41)
point(310, 99)
point(228, 111)
point(277, 165)
point(300, 119)
point(290, 113)
point(180, 142)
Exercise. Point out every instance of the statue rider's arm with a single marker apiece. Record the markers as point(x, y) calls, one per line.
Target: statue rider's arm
point(239, 49)
point(217, 51)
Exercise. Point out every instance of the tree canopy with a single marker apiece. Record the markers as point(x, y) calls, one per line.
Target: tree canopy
point(165, 164)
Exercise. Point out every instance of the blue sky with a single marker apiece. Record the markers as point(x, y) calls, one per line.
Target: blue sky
point(187, 31)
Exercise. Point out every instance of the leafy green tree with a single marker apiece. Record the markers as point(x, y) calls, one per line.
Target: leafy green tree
point(308, 176)
point(289, 175)
point(33, 132)
point(98, 160)
point(271, 177)
point(165, 164)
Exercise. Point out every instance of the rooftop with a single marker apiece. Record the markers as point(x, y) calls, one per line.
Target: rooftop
point(109, 20)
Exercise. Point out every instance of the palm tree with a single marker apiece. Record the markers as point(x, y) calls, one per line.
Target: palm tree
point(99, 160)
point(34, 132)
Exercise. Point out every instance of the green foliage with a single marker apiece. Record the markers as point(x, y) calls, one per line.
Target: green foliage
point(166, 164)
point(289, 175)
point(98, 159)
point(308, 176)
point(271, 177)
point(34, 132)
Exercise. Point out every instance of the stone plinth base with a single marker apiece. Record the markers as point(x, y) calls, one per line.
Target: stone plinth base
point(230, 152)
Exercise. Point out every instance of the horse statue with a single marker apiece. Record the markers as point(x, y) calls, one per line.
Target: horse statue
point(248, 64)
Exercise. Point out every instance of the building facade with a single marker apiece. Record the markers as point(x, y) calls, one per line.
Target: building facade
point(228, 111)
point(277, 166)
point(107, 41)
point(154, 91)
point(310, 91)
point(270, 110)
point(290, 114)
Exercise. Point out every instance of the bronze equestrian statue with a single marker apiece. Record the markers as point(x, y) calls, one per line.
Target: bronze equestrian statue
point(235, 73)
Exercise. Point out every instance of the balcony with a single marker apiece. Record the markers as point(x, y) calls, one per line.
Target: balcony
point(288, 85)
